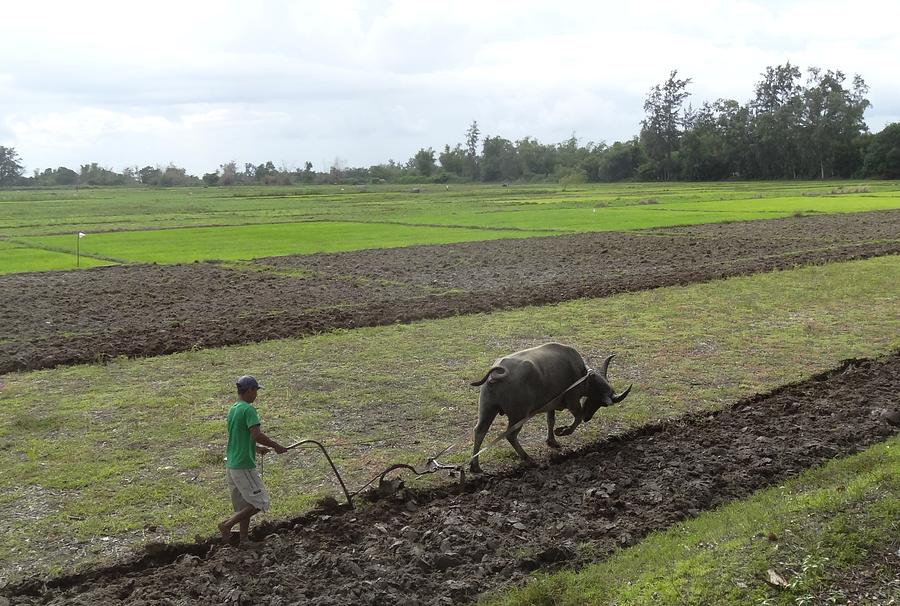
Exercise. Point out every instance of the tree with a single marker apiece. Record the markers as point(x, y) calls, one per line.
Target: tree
point(662, 128)
point(453, 160)
point(700, 156)
point(10, 166)
point(150, 175)
point(892, 164)
point(620, 161)
point(832, 121)
point(715, 141)
point(264, 173)
point(568, 154)
point(65, 176)
point(174, 176)
point(131, 175)
point(385, 173)
point(883, 155)
point(776, 114)
point(228, 173)
point(568, 175)
point(499, 160)
point(94, 174)
point(537, 159)
point(336, 172)
point(307, 175)
point(424, 162)
point(734, 127)
point(50, 177)
point(472, 149)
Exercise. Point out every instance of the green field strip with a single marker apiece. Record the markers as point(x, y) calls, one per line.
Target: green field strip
point(804, 204)
point(99, 444)
point(385, 224)
point(48, 212)
point(253, 241)
point(810, 528)
point(16, 257)
point(572, 220)
point(637, 216)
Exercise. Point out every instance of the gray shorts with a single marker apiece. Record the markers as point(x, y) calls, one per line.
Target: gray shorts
point(247, 489)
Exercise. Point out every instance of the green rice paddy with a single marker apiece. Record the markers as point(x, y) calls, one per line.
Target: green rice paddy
point(130, 225)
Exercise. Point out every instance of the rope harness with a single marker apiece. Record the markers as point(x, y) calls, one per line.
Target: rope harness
point(550, 405)
point(432, 465)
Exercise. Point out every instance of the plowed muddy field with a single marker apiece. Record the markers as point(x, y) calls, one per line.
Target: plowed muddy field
point(70, 317)
point(449, 545)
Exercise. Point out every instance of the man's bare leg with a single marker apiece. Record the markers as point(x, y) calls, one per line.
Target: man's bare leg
point(245, 529)
point(243, 518)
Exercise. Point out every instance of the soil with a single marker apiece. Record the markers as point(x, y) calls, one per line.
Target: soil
point(450, 544)
point(69, 317)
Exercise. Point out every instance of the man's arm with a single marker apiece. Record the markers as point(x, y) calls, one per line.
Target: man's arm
point(265, 440)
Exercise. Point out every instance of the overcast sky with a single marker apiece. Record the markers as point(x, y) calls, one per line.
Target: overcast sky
point(199, 83)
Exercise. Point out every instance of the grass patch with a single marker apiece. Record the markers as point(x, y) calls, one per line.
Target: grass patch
point(132, 444)
point(825, 521)
point(250, 241)
point(15, 258)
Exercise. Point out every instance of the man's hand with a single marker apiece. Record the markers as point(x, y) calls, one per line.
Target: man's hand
point(260, 438)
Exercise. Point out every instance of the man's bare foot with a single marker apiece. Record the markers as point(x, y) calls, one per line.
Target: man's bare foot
point(225, 532)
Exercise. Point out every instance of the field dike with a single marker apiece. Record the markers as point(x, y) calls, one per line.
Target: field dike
point(450, 544)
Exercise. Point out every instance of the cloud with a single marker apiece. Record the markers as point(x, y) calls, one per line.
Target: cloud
point(191, 82)
point(82, 127)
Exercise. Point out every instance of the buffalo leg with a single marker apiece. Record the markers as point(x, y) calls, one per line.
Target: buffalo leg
point(551, 421)
point(485, 418)
point(513, 438)
point(573, 405)
point(564, 431)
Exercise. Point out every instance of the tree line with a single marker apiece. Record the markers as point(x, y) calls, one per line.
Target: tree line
point(793, 128)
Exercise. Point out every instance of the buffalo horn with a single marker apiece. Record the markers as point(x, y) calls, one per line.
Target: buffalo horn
point(618, 398)
point(605, 366)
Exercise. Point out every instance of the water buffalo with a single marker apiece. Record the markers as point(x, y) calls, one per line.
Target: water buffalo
point(545, 378)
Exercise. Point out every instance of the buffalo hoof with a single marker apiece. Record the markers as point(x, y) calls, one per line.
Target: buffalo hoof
point(553, 444)
point(475, 468)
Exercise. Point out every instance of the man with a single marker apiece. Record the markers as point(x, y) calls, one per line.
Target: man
point(248, 495)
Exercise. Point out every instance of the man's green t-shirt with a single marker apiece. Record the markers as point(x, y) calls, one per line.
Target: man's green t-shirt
point(241, 453)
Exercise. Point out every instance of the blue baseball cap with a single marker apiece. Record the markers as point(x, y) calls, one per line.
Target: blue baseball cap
point(248, 382)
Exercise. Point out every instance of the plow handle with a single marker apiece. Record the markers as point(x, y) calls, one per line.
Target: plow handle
point(330, 462)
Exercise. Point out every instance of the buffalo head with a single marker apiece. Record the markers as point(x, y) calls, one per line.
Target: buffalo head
point(599, 392)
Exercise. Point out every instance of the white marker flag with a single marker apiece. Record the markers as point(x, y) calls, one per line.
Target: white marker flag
point(81, 234)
